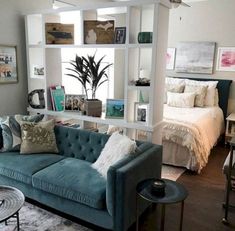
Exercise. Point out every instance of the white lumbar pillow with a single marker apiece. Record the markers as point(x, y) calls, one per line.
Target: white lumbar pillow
point(117, 147)
point(180, 99)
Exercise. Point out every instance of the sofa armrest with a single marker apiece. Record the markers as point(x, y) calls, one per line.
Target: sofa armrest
point(122, 180)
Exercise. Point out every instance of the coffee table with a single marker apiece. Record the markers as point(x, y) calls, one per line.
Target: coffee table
point(11, 201)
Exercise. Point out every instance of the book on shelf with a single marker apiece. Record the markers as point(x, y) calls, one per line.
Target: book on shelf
point(57, 97)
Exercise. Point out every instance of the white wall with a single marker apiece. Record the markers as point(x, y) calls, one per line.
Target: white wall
point(212, 20)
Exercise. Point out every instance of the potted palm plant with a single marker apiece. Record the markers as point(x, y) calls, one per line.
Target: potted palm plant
point(91, 75)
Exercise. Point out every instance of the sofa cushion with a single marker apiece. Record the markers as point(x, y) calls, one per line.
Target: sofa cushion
point(22, 167)
point(73, 179)
point(79, 143)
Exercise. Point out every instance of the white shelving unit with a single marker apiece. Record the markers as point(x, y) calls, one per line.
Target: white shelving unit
point(129, 58)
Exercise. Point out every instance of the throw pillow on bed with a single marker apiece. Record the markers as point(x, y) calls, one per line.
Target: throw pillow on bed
point(117, 147)
point(199, 91)
point(38, 137)
point(173, 88)
point(11, 132)
point(180, 99)
point(211, 90)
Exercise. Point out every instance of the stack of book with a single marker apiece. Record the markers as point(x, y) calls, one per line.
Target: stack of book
point(57, 97)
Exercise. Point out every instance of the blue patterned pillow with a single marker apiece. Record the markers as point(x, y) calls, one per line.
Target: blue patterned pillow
point(11, 131)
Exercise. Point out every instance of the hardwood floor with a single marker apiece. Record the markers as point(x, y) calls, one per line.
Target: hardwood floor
point(203, 207)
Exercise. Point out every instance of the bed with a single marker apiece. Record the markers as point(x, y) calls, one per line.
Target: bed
point(189, 134)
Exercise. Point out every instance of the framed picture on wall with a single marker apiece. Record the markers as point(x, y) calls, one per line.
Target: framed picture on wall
point(195, 57)
point(170, 58)
point(8, 64)
point(226, 59)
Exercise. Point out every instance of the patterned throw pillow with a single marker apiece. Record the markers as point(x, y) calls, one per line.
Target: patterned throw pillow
point(38, 137)
point(11, 131)
point(199, 91)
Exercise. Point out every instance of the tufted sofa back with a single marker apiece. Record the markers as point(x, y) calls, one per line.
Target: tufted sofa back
point(80, 144)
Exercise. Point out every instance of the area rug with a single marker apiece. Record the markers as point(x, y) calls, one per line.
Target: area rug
point(172, 173)
point(33, 218)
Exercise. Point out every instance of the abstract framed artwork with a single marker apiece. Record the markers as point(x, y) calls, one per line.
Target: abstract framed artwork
point(226, 59)
point(195, 57)
point(170, 58)
point(8, 64)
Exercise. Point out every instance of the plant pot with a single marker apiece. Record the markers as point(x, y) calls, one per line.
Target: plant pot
point(93, 107)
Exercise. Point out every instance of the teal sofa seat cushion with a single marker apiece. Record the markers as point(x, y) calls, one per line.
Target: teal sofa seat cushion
point(75, 180)
point(22, 167)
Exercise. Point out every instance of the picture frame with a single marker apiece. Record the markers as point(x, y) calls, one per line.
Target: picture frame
point(195, 57)
point(120, 35)
point(170, 58)
point(38, 70)
point(141, 112)
point(98, 32)
point(58, 33)
point(8, 64)
point(74, 103)
point(225, 59)
point(114, 108)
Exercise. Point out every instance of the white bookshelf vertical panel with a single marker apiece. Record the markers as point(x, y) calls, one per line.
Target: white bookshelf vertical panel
point(147, 18)
point(54, 70)
point(36, 63)
point(135, 24)
point(34, 29)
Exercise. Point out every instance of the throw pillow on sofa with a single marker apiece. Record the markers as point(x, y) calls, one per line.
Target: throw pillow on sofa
point(11, 132)
point(117, 147)
point(38, 137)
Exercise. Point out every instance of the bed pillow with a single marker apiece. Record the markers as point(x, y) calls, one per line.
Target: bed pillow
point(11, 132)
point(216, 98)
point(211, 89)
point(38, 137)
point(177, 81)
point(199, 91)
point(177, 88)
point(180, 99)
point(117, 147)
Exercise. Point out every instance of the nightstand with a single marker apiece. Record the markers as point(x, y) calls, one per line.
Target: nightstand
point(230, 127)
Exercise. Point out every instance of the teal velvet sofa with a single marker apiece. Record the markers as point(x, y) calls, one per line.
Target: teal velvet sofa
point(67, 182)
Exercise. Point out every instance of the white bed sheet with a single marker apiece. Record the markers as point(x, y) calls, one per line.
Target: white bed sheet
point(207, 124)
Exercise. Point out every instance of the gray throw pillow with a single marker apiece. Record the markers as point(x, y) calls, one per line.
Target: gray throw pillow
point(11, 131)
point(38, 137)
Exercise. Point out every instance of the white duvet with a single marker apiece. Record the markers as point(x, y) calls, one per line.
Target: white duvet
point(195, 128)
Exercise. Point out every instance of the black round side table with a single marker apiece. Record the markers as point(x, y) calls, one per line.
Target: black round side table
point(174, 193)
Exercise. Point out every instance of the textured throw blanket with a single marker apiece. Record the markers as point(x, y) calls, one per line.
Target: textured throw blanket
point(197, 129)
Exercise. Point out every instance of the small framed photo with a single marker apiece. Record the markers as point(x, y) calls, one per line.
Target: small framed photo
point(120, 35)
point(38, 70)
point(8, 64)
point(141, 112)
point(74, 103)
point(226, 59)
point(170, 58)
point(115, 108)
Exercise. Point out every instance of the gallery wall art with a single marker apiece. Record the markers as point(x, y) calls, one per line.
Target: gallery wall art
point(195, 57)
point(8, 64)
point(226, 59)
